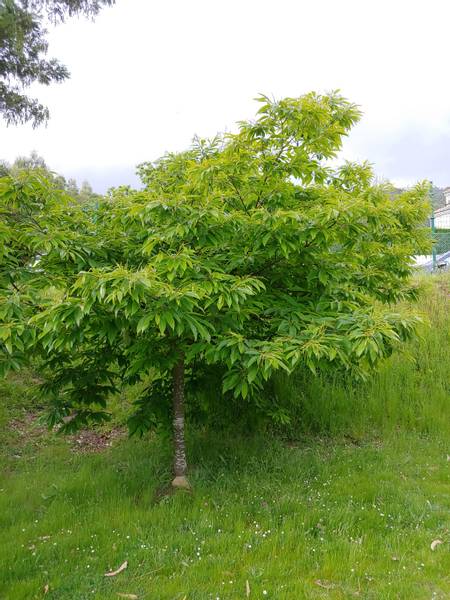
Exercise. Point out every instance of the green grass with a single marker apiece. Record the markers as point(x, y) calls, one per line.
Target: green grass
point(348, 510)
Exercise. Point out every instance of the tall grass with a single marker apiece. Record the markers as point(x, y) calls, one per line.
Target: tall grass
point(411, 390)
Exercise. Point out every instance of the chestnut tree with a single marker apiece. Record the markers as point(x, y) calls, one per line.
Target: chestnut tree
point(252, 252)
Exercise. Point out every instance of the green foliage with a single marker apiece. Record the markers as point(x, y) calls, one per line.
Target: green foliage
point(23, 48)
point(40, 246)
point(36, 163)
point(249, 254)
point(410, 391)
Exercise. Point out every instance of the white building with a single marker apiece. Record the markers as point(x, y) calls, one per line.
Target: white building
point(442, 215)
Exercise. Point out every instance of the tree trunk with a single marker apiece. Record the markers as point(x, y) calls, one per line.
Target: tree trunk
point(179, 463)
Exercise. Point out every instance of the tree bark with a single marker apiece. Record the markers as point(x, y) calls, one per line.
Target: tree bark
point(179, 463)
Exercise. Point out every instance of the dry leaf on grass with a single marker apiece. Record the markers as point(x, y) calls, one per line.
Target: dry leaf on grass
point(247, 589)
point(129, 596)
point(46, 588)
point(122, 567)
point(326, 585)
point(435, 543)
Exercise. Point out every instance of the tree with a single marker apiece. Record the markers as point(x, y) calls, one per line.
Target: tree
point(34, 161)
point(86, 192)
point(23, 48)
point(4, 168)
point(246, 254)
point(72, 188)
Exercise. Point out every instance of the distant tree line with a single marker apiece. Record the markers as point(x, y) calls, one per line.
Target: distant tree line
point(34, 162)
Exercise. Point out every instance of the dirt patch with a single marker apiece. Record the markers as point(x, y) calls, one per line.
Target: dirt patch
point(90, 440)
point(28, 428)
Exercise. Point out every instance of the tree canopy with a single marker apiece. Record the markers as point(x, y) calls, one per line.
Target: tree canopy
point(247, 254)
point(23, 48)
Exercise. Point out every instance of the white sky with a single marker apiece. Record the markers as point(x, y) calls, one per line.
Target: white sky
point(148, 74)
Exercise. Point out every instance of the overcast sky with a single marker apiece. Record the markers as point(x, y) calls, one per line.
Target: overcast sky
point(149, 74)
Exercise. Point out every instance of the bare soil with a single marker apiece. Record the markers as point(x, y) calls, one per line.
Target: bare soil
point(29, 429)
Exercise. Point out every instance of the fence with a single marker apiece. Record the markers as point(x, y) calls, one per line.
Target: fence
point(440, 228)
point(442, 237)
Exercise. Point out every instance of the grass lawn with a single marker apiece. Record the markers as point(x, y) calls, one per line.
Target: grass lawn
point(348, 510)
point(318, 520)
